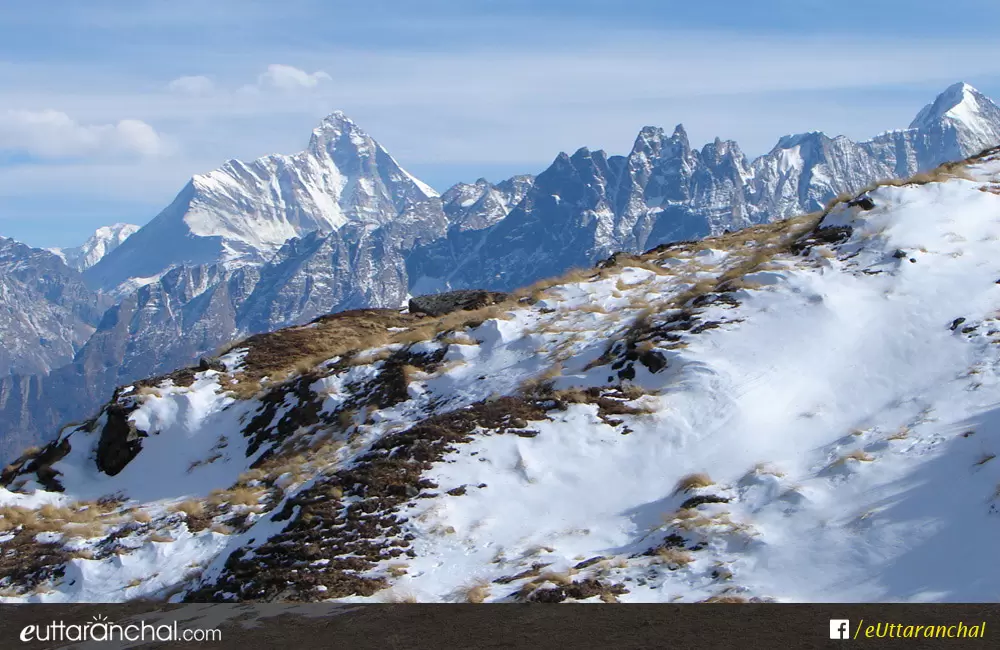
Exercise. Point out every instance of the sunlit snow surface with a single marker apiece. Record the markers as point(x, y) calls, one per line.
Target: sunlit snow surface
point(869, 417)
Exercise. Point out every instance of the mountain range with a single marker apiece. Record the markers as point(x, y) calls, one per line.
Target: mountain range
point(797, 411)
point(279, 241)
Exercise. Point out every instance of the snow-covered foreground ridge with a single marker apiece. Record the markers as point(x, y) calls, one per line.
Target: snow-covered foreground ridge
point(802, 411)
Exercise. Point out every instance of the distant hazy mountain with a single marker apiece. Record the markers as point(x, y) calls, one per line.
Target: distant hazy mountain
point(46, 311)
point(102, 242)
point(586, 206)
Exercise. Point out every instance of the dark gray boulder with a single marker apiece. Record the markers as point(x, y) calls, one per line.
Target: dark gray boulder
point(439, 304)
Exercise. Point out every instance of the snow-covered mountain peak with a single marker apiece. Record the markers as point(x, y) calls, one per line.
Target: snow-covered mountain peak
point(798, 139)
point(248, 210)
point(336, 130)
point(652, 141)
point(104, 240)
point(959, 102)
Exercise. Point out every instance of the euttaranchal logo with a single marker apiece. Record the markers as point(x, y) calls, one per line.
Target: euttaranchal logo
point(101, 629)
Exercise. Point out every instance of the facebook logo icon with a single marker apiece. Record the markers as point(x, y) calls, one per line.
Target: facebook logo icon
point(840, 628)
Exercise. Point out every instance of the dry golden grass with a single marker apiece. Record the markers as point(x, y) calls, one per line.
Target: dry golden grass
point(674, 558)
point(457, 338)
point(541, 381)
point(536, 290)
point(410, 373)
point(767, 469)
point(724, 598)
point(477, 592)
point(86, 531)
point(687, 519)
point(901, 434)
point(12, 517)
point(561, 578)
point(158, 537)
point(692, 482)
point(191, 508)
point(858, 455)
point(398, 569)
point(141, 516)
point(398, 597)
point(242, 496)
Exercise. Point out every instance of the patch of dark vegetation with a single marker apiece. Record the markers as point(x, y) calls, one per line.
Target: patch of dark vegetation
point(26, 563)
point(611, 401)
point(390, 386)
point(864, 202)
point(671, 541)
point(112, 543)
point(592, 561)
point(670, 247)
point(533, 572)
point(199, 521)
point(262, 428)
point(440, 304)
point(347, 522)
point(385, 390)
point(578, 590)
point(818, 236)
point(694, 502)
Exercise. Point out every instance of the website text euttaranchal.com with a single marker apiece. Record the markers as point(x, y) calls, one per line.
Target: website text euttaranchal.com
point(102, 629)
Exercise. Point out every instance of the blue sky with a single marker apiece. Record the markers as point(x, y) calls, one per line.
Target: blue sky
point(109, 107)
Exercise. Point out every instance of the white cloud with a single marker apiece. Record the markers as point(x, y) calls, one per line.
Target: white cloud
point(53, 134)
point(196, 85)
point(286, 77)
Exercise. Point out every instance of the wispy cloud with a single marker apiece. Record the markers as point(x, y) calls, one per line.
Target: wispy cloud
point(193, 85)
point(52, 134)
point(287, 77)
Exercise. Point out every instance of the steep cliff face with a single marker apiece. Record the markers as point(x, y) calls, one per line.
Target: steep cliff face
point(46, 311)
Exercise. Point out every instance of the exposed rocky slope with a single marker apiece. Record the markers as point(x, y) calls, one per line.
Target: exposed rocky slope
point(797, 411)
point(46, 311)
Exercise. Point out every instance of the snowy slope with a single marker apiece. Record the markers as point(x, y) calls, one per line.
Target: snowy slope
point(104, 240)
point(800, 411)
